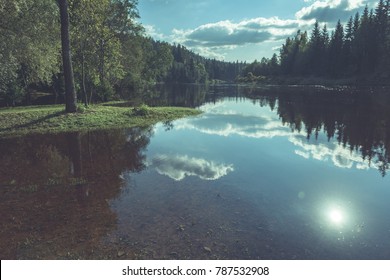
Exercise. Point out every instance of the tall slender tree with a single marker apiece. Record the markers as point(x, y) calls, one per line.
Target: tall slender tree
point(70, 92)
point(324, 52)
point(336, 51)
point(315, 50)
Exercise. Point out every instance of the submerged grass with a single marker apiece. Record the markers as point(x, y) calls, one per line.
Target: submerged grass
point(53, 119)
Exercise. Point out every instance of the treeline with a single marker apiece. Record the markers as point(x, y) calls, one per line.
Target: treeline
point(111, 56)
point(360, 49)
point(185, 66)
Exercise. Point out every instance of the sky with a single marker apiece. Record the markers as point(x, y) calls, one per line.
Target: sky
point(242, 30)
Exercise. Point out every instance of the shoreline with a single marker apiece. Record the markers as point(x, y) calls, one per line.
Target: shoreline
point(21, 121)
point(315, 81)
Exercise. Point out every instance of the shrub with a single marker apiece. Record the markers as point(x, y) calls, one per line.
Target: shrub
point(81, 108)
point(142, 110)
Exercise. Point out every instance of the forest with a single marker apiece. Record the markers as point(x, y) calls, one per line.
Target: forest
point(359, 50)
point(111, 55)
point(113, 58)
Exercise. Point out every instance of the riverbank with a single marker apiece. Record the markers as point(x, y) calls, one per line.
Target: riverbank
point(311, 80)
point(53, 119)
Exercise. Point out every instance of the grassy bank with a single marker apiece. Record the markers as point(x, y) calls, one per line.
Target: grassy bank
point(53, 119)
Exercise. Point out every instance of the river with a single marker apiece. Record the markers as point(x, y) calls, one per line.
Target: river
point(263, 173)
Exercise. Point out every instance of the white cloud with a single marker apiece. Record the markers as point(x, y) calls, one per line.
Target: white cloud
point(231, 34)
point(355, 4)
point(178, 167)
point(212, 38)
point(151, 31)
point(272, 22)
point(330, 10)
point(223, 38)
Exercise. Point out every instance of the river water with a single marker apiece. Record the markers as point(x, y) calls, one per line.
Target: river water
point(263, 173)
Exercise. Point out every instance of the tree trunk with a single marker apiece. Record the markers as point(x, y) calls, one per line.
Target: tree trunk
point(83, 80)
point(70, 93)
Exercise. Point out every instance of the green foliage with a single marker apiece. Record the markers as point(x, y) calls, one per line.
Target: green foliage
point(159, 59)
point(99, 30)
point(29, 45)
point(14, 93)
point(81, 109)
point(104, 91)
point(189, 67)
point(266, 67)
point(293, 54)
point(111, 57)
point(142, 110)
point(361, 50)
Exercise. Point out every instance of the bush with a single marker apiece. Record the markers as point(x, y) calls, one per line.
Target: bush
point(142, 110)
point(81, 108)
point(14, 94)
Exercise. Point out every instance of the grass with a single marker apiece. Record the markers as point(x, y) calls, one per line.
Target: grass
point(53, 119)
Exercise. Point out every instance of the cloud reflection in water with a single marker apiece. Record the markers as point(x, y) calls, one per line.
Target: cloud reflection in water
point(340, 156)
point(180, 166)
point(223, 121)
point(229, 125)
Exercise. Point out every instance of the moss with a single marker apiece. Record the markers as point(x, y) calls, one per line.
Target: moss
point(53, 119)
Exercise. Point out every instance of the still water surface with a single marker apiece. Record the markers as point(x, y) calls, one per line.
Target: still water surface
point(289, 173)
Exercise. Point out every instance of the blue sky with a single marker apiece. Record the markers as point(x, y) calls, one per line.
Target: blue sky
point(242, 30)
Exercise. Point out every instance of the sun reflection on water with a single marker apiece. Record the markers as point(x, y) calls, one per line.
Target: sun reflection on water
point(336, 216)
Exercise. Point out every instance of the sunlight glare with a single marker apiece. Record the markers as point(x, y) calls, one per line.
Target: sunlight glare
point(336, 216)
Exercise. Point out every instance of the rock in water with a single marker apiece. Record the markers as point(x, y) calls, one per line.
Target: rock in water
point(207, 249)
point(121, 253)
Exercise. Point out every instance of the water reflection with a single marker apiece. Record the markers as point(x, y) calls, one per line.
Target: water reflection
point(259, 178)
point(178, 167)
point(354, 118)
point(324, 150)
point(234, 124)
point(348, 126)
point(222, 121)
point(181, 95)
point(343, 226)
point(336, 216)
point(55, 191)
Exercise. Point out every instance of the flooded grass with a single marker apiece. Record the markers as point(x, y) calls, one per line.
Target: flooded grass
point(53, 119)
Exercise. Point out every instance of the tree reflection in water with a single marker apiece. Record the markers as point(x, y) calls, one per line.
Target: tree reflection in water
point(56, 191)
point(358, 118)
point(70, 195)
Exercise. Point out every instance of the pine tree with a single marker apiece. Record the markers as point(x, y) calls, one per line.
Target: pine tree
point(381, 22)
point(324, 50)
point(386, 53)
point(354, 63)
point(315, 50)
point(347, 49)
point(362, 34)
point(336, 51)
point(286, 60)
